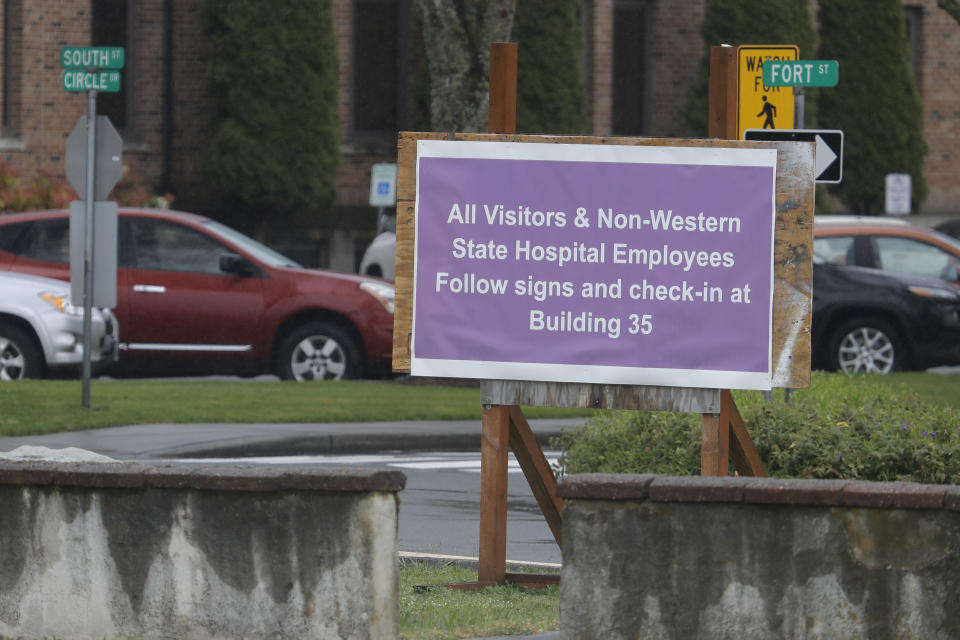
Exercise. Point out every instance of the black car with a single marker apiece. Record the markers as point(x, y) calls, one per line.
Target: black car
point(872, 321)
point(950, 228)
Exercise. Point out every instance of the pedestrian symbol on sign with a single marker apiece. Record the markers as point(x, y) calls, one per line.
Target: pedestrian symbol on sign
point(768, 113)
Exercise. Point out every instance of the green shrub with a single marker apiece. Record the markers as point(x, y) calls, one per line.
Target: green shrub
point(849, 427)
point(44, 191)
point(272, 152)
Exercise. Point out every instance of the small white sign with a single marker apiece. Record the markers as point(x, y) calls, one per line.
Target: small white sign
point(383, 185)
point(898, 187)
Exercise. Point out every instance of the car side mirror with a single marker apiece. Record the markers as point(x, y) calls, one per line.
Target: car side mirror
point(236, 265)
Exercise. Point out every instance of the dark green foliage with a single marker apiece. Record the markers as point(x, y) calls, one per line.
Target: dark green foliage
point(849, 427)
point(550, 91)
point(272, 76)
point(876, 103)
point(737, 22)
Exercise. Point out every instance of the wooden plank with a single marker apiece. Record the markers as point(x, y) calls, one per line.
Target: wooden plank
point(537, 470)
point(723, 93)
point(746, 459)
point(793, 240)
point(600, 396)
point(502, 116)
point(528, 580)
point(533, 580)
point(715, 443)
point(494, 458)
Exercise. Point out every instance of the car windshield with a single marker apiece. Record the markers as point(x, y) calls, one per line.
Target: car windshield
point(251, 246)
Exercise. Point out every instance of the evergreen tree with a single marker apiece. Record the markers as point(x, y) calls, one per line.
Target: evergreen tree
point(274, 139)
point(550, 91)
point(738, 22)
point(876, 103)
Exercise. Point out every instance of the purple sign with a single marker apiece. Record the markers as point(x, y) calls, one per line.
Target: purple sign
point(588, 263)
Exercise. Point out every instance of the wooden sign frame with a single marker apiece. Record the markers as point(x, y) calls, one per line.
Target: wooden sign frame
point(792, 271)
point(504, 427)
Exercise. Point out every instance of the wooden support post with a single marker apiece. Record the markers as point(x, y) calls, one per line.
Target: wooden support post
point(723, 93)
point(494, 460)
point(725, 438)
point(715, 443)
point(495, 444)
point(718, 428)
point(503, 88)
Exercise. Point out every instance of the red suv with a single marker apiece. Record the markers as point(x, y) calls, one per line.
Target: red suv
point(194, 295)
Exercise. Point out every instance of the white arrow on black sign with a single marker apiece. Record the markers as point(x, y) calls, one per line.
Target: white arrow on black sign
point(829, 163)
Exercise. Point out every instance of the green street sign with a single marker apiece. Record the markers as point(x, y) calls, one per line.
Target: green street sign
point(86, 57)
point(801, 73)
point(78, 80)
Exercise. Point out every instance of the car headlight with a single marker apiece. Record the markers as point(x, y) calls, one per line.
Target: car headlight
point(383, 292)
point(934, 292)
point(60, 302)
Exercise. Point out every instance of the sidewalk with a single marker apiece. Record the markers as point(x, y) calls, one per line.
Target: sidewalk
point(207, 440)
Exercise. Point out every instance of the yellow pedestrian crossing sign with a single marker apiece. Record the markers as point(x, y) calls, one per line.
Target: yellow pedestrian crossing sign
point(759, 106)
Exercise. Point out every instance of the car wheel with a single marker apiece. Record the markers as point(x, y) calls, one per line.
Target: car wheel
point(867, 345)
point(318, 351)
point(19, 355)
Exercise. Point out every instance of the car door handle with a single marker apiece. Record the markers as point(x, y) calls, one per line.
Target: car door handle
point(149, 288)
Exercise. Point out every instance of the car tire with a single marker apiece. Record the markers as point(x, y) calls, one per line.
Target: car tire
point(20, 357)
point(867, 345)
point(319, 351)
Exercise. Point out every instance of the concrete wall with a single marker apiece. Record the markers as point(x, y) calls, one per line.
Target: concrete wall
point(178, 551)
point(746, 558)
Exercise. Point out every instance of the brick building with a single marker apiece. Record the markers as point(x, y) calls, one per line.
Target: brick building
point(640, 57)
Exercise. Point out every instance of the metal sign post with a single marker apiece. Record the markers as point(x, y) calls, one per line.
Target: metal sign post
point(88, 246)
point(82, 72)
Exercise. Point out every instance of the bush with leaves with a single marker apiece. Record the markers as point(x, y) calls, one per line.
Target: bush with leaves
point(43, 192)
point(272, 152)
point(846, 427)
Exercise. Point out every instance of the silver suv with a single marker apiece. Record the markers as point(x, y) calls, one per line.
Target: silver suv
point(41, 332)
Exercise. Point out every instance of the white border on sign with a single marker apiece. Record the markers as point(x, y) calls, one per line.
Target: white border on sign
point(488, 370)
point(636, 154)
point(561, 152)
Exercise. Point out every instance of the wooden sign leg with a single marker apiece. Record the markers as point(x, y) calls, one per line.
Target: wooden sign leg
point(746, 459)
point(715, 443)
point(725, 436)
point(537, 471)
point(494, 458)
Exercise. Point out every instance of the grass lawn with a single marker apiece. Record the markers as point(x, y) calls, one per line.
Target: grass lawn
point(445, 614)
point(32, 407)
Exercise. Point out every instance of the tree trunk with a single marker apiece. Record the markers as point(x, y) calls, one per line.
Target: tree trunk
point(457, 35)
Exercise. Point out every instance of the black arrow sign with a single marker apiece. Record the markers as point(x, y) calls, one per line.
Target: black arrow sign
point(829, 161)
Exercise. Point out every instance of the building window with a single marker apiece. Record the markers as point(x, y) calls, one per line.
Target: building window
point(111, 26)
point(380, 62)
point(914, 18)
point(629, 66)
point(12, 58)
